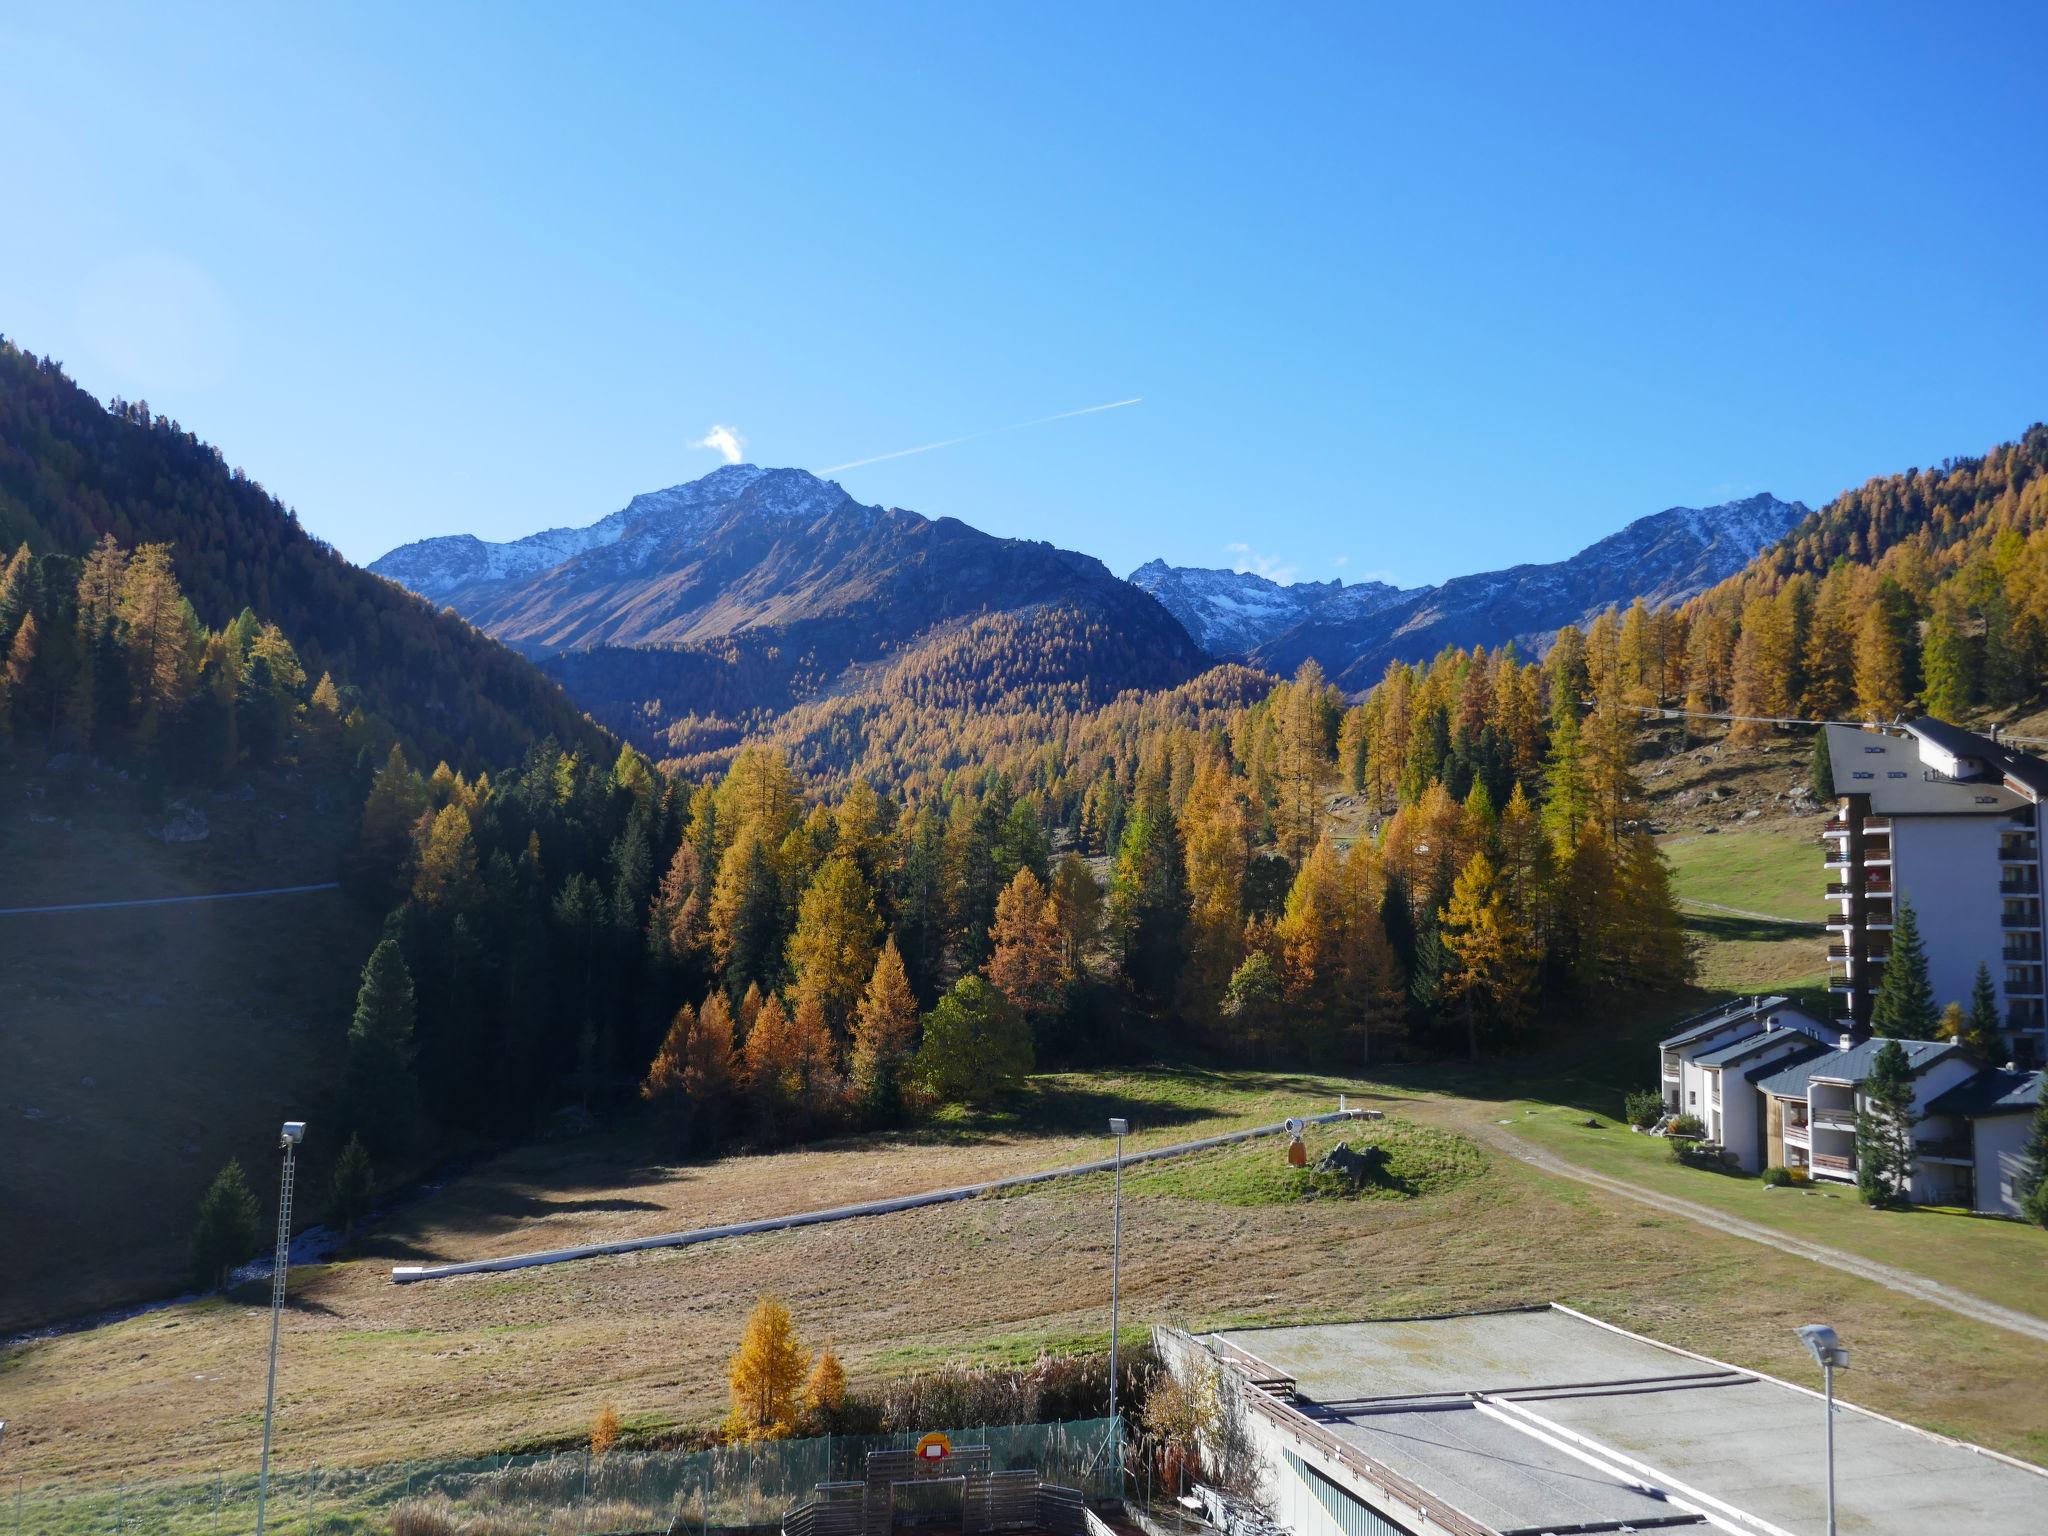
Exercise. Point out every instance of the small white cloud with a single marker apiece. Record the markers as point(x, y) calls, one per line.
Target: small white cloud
point(727, 440)
point(1245, 559)
point(1341, 561)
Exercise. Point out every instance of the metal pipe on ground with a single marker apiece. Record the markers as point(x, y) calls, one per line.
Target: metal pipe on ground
point(408, 1274)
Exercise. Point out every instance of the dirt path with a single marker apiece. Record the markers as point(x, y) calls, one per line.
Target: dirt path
point(170, 901)
point(1762, 917)
point(1919, 1287)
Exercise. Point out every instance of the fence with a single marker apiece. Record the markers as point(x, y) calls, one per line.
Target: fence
point(623, 1493)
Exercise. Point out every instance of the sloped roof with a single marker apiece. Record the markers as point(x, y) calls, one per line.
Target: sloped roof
point(1700, 1025)
point(1771, 1068)
point(1749, 1045)
point(1853, 1065)
point(1994, 1091)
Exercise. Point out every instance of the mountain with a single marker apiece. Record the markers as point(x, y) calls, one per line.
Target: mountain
point(1354, 631)
point(752, 589)
point(1233, 613)
point(72, 469)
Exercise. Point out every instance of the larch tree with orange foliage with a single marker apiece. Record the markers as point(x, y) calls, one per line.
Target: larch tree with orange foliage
point(765, 1376)
point(884, 1036)
point(1025, 962)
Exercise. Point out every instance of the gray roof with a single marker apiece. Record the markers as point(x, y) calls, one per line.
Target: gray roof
point(1476, 1412)
point(1994, 1091)
point(1852, 1065)
point(2000, 759)
point(1771, 1068)
point(1888, 769)
point(1749, 1045)
point(1718, 1018)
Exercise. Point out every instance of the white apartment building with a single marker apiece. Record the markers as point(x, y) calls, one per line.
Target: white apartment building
point(1949, 818)
point(1810, 1108)
point(1691, 1088)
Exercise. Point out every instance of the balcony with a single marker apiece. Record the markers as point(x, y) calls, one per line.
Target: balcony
point(2019, 920)
point(1947, 1149)
point(2022, 954)
point(1828, 1162)
point(1841, 953)
point(1878, 856)
point(2023, 985)
point(2020, 885)
point(1870, 824)
point(1835, 1119)
point(1671, 1060)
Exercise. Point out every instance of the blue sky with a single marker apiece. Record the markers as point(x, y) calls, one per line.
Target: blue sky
point(1403, 293)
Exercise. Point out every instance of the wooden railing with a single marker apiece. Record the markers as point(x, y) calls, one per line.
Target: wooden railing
point(1831, 1161)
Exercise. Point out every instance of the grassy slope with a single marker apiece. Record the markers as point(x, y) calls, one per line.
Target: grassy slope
point(373, 1371)
point(140, 1049)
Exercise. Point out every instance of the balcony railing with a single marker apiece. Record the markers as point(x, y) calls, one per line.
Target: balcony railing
point(2020, 885)
point(2019, 920)
point(1841, 952)
point(1870, 824)
point(1671, 1060)
point(2022, 954)
point(1834, 1164)
point(1835, 1119)
point(1953, 1148)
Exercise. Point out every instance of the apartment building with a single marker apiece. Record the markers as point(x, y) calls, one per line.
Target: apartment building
point(1692, 1087)
point(1949, 818)
point(1981, 1124)
point(1810, 1109)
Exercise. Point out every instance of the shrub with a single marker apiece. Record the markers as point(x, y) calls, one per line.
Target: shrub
point(1643, 1108)
point(1687, 1125)
point(418, 1518)
point(604, 1430)
point(1778, 1178)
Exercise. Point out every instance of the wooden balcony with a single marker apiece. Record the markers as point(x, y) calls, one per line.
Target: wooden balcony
point(1834, 1164)
point(1835, 1119)
point(1946, 1149)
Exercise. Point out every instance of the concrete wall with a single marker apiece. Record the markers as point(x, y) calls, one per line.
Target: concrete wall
point(1999, 1139)
point(1948, 868)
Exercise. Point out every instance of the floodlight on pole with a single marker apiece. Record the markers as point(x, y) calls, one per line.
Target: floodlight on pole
point(1119, 1128)
point(1828, 1353)
point(289, 1138)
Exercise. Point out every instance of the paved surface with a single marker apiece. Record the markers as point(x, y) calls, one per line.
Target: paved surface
point(170, 901)
point(1903, 1281)
point(1544, 1419)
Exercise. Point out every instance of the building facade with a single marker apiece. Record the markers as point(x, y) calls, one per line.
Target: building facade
point(1949, 819)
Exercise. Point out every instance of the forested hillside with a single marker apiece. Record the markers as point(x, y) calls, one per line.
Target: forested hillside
point(73, 471)
point(1923, 590)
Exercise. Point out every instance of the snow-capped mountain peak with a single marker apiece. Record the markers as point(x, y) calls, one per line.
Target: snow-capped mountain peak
point(651, 521)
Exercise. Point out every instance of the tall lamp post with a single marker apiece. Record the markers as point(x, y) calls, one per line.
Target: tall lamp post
point(1828, 1353)
point(1119, 1128)
point(294, 1132)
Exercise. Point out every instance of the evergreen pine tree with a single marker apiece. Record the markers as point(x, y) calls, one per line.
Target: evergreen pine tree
point(1904, 1007)
point(350, 1188)
point(377, 1085)
point(2030, 1187)
point(1821, 774)
point(1884, 1128)
point(228, 1229)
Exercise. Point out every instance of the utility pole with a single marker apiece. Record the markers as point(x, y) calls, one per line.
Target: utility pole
point(1828, 1352)
point(294, 1132)
point(1119, 1128)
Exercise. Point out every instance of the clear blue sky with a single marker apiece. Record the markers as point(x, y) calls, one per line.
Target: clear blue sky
point(1410, 292)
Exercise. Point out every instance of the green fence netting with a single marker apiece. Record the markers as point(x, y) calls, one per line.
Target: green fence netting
point(569, 1493)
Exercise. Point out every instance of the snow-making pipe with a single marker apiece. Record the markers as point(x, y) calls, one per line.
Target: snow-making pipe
point(406, 1274)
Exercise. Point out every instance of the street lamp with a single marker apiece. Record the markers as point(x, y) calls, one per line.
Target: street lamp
point(1828, 1353)
point(289, 1138)
point(1119, 1128)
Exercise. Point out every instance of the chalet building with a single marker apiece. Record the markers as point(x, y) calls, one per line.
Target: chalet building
point(1981, 1125)
point(1949, 818)
point(1706, 1066)
point(1810, 1109)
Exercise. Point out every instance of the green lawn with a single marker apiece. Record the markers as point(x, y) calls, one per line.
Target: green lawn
point(2001, 1261)
point(1774, 869)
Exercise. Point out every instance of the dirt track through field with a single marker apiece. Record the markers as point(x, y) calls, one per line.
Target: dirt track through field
point(1905, 1283)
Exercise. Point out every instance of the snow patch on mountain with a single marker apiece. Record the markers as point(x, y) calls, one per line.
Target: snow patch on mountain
point(646, 527)
point(1231, 612)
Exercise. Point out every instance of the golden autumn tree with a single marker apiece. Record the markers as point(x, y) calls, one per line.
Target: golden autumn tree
point(1493, 969)
point(162, 636)
point(1025, 961)
point(884, 1036)
point(1216, 832)
point(825, 1391)
point(832, 952)
point(445, 872)
point(766, 1376)
point(1311, 933)
point(694, 1075)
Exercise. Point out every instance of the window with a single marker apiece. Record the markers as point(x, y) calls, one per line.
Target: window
point(1692, 1096)
point(1873, 749)
point(1862, 774)
point(1896, 773)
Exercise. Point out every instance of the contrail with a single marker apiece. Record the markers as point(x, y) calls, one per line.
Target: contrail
point(1015, 426)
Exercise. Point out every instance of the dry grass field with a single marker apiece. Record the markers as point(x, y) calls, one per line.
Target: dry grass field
point(374, 1372)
